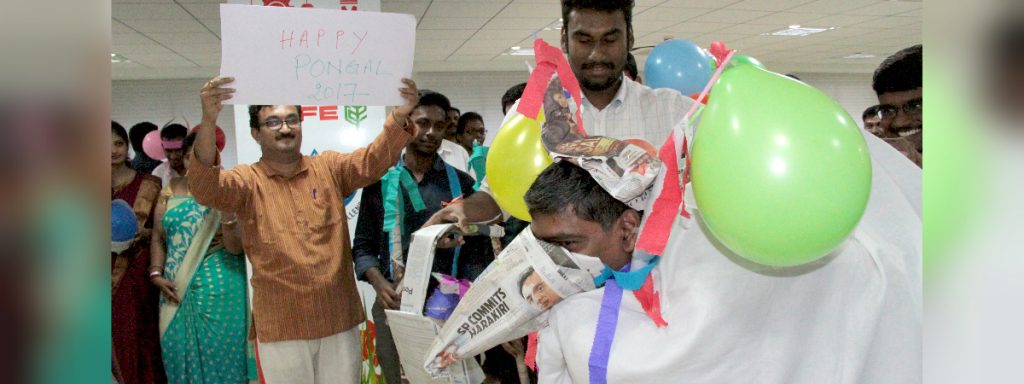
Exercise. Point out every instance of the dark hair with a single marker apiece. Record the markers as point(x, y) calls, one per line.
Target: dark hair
point(899, 72)
point(464, 119)
point(118, 129)
point(792, 76)
point(871, 111)
point(172, 131)
point(626, 6)
point(139, 132)
point(631, 67)
point(254, 114)
point(189, 141)
point(511, 95)
point(564, 184)
point(522, 279)
point(453, 109)
point(431, 98)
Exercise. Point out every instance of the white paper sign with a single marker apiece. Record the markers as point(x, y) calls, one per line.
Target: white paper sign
point(315, 56)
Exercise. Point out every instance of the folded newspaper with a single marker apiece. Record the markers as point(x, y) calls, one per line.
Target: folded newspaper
point(509, 298)
point(626, 169)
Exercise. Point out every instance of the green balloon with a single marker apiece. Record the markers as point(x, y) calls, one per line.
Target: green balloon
point(781, 173)
point(741, 60)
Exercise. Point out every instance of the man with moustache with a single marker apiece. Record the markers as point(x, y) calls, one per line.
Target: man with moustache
point(305, 304)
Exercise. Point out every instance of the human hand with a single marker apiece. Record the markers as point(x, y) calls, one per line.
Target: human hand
point(167, 288)
point(453, 213)
point(412, 98)
point(212, 96)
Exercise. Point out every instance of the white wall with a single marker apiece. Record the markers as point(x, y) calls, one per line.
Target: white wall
point(159, 101)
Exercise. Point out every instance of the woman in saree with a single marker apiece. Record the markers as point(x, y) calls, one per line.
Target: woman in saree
point(134, 322)
point(198, 265)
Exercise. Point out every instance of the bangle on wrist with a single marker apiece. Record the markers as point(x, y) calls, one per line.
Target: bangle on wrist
point(153, 274)
point(230, 222)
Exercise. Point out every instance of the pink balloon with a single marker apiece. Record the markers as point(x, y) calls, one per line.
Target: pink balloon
point(151, 145)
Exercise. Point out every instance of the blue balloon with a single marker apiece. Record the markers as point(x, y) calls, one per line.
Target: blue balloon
point(123, 226)
point(677, 64)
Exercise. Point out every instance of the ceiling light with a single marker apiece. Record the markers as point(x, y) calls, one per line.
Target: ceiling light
point(796, 30)
point(517, 51)
point(860, 55)
point(115, 58)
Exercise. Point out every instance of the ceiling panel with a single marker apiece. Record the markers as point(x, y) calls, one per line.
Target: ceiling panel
point(179, 38)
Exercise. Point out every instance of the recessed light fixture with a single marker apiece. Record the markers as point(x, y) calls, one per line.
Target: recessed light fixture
point(519, 51)
point(115, 58)
point(860, 55)
point(797, 30)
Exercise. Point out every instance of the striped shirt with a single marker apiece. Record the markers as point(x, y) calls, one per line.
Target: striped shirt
point(637, 112)
point(296, 235)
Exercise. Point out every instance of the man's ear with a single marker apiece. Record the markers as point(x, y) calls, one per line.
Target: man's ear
point(255, 134)
point(629, 39)
point(629, 227)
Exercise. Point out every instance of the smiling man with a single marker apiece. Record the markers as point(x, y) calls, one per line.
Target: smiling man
point(897, 82)
point(305, 304)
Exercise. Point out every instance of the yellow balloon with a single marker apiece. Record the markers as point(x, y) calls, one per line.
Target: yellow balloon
point(515, 159)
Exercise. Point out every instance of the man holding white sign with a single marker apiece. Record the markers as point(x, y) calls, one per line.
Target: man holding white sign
point(305, 304)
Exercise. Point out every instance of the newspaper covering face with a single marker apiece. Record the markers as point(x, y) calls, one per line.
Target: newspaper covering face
point(509, 298)
point(625, 169)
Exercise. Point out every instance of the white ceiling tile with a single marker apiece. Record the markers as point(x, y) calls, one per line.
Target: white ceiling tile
point(149, 11)
point(415, 9)
point(118, 27)
point(887, 8)
point(675, 14)
point(649, 26)
point(158, 59)
point(839, 20)
point(784, 19)
point(203, 10)
point(473, 23)
point(189, 48)
point(533, 23)
point(503, 35)
point(195, 38)
point(747, 29)
point(695, 28)
point(833, 6)
point(128, 50)
point(165, 25)
point(892, 22)
point(690, 3)
point(548, 10)
point(444, 34)
point(130, 39)
point(766, 5)
point(464, 9)
point(734, 16)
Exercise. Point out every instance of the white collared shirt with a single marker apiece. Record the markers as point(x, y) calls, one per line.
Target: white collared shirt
point(854, 316)
point(455, 155)
point(637, 112)
point(165, 172)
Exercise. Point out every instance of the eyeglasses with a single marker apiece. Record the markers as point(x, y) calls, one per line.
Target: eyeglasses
point(912, 108)
point(276, 124)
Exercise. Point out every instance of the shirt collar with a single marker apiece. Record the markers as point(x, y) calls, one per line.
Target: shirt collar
point(303, 167)
point(620, 95)
point(438, 162)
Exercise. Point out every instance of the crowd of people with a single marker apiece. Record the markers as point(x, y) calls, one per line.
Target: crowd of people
point(180, 292)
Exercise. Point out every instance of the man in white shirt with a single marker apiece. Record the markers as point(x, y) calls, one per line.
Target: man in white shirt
point(852, 317)
point(171, 139)
point(613, 105)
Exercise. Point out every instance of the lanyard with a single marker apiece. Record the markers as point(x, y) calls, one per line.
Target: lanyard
point(398, 178)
